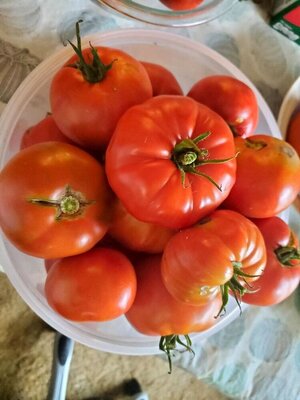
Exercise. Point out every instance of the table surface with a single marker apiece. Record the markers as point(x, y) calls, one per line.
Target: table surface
point(258, 355)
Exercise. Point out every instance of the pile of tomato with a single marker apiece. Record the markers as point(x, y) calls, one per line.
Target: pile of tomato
point(151, 203)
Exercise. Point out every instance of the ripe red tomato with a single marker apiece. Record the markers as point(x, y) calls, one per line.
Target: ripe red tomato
point(155, 312)
point(282, 273)
point(216, 252)
point(89, 94)
point(268, 177)
point(230, 98)
point(98, 285)
point(162, 80)
point(54, 200)
point(137, 235)
point(293, 132)
point(181, 4)
point(44, 131)
point(163, 157)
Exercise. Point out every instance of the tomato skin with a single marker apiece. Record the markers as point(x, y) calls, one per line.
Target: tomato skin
point(162, 80)
point(273, 181)
point(155, 312)
point(293, 132)
point(197, 260)
point(278, 281)
point(141, 171)
point(88, 112)
point(137, 235)
point(178, 5)
point(44, 171)
point(98, 285)
point(44, 131)
point(230, 98)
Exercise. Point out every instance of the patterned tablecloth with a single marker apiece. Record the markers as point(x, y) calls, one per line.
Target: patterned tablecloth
point(258, 355)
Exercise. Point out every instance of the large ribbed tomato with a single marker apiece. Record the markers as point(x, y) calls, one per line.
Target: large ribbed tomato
point(219, 252)
point(171, 161)
point(282, 273)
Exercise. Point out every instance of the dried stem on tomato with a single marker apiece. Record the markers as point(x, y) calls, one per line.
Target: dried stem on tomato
point(169, 343)
point(188, 157)
point(69, 205)
point(94, 71)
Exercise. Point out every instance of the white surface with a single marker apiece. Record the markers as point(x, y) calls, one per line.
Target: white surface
point(30, 103)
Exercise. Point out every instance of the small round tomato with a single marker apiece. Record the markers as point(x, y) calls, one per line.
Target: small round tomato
point(98, 285)
point(171, 161)
point(178, 5)
point(54, 200)
point(162, 80)
point(221, 251)
point(268, 176)
point(230, 98)
point(93, 89)
point(137, 235)
point(44, 131)
point(155, 312)
point(282, 272)
point(293, 132)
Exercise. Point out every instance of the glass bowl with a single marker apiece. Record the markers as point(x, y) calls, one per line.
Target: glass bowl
point(156, 13)
point(30, 103)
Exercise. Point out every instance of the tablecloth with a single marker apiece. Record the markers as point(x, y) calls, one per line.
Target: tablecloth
point(258, 355)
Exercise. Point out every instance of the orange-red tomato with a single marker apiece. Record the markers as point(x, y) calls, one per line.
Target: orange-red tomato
point(178, 5)
point(137, 235)
point(89, 93)
point(98, 285)
point(293, 132)
point(155, 312)
point(44, 131)
point(267, 178)
point(230, 98)
point(282, 272)
point(162, 80)
point(54, 200)
point(214, 253)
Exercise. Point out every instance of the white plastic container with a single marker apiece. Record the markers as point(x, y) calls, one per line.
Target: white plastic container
point(189, 61)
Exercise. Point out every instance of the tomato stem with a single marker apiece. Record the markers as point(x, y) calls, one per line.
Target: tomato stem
point(255, 144)
point(288, 256)
point(70, 204)
point(236, 288)
point(169, 343)
point(94, 71)
point(188, 157)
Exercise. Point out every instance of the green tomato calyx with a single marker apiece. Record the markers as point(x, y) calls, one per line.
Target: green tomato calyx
point(169, 343)
point(94, 71)
point(188, 158)
point(236, 287)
